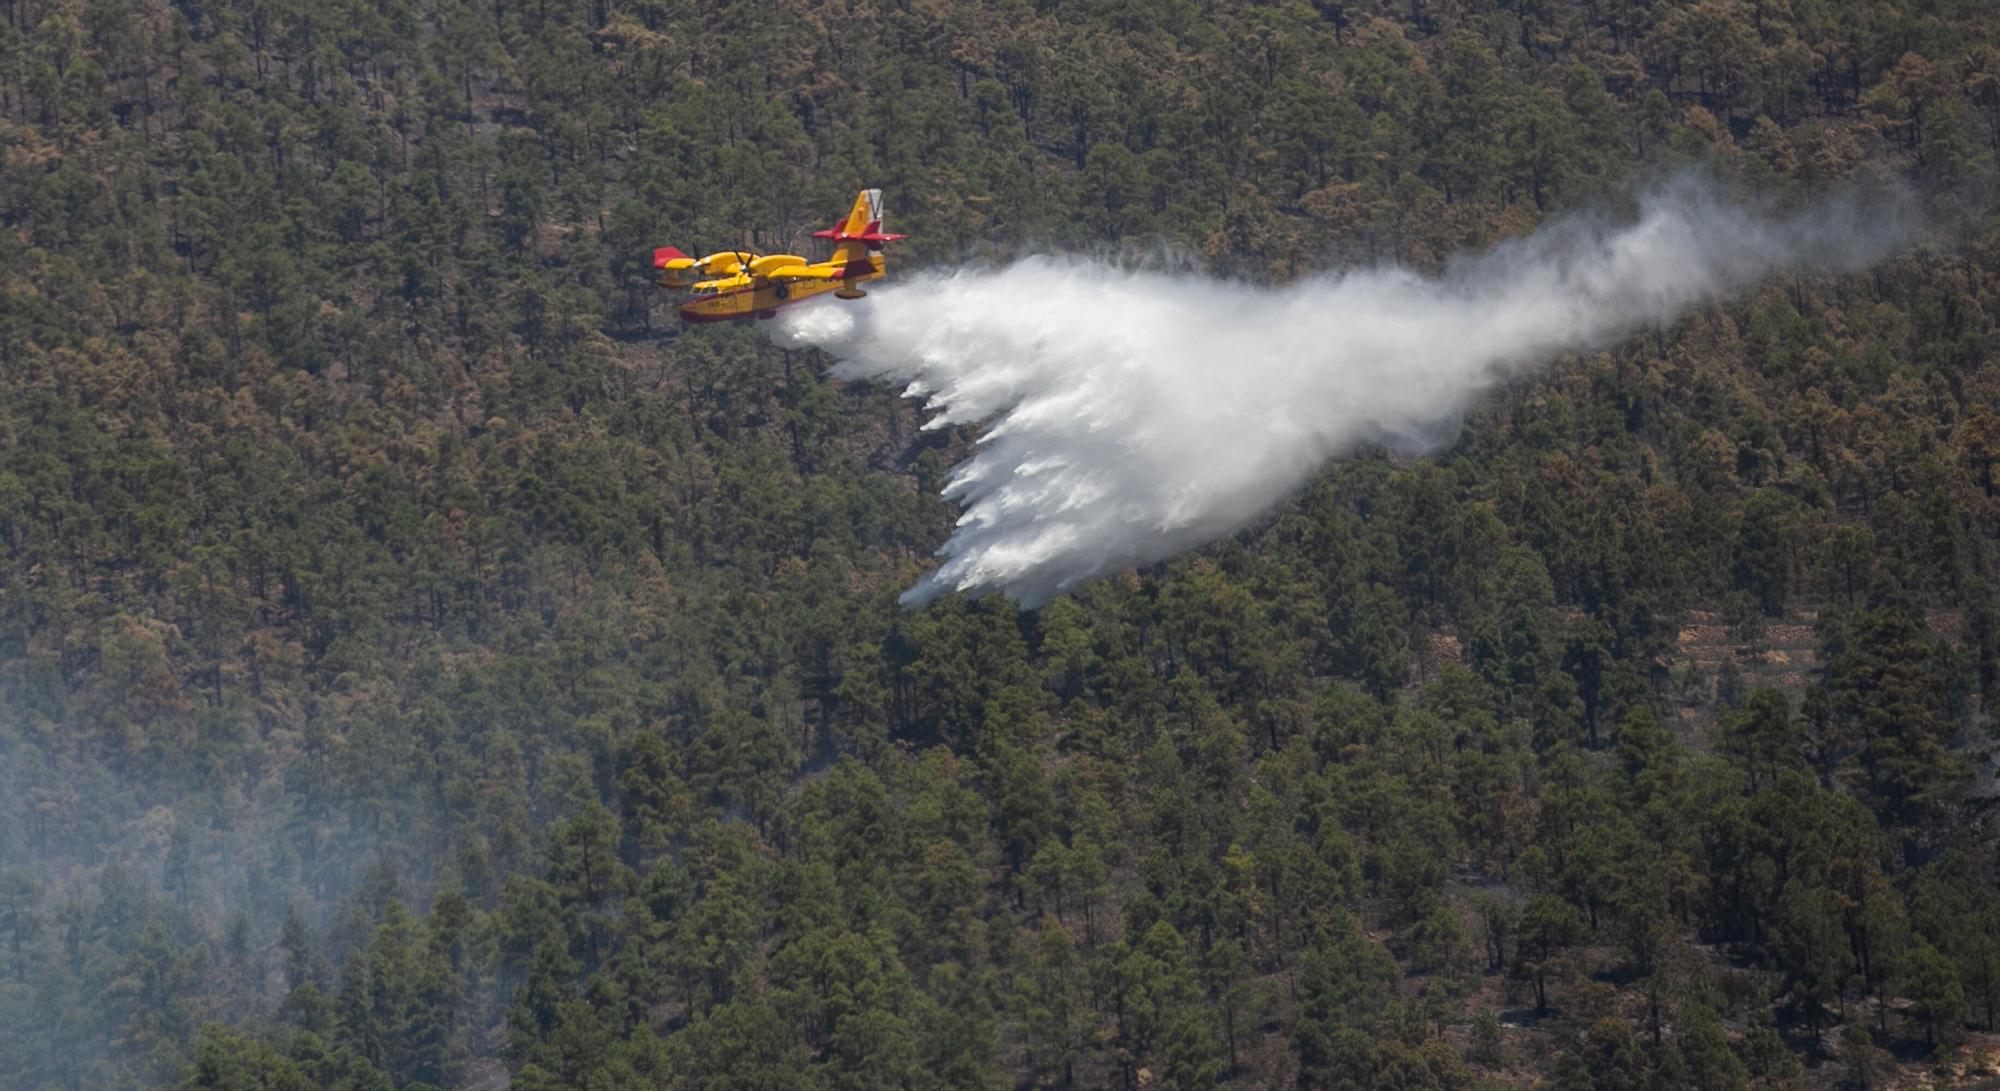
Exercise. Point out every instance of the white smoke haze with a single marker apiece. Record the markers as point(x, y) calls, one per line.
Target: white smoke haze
point(1134, 415)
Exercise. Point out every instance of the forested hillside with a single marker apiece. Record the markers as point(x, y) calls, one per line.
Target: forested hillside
point(424, 665)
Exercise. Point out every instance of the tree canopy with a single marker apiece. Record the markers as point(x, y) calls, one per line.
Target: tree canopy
point(423, 665)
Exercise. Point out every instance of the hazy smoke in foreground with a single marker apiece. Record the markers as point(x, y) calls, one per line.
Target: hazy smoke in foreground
point(1137, 414)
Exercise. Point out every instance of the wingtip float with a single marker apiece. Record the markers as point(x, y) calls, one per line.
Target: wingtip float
point(734, 284)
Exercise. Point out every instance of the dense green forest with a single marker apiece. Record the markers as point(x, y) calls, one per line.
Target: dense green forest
point(423, 665)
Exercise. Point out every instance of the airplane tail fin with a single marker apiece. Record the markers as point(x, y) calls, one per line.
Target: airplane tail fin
point(866, 215)
point(861, 232)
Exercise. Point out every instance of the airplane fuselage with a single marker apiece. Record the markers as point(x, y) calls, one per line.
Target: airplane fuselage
point(762, 300)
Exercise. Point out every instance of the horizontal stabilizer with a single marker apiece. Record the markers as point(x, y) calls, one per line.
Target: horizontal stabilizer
point(863, 224)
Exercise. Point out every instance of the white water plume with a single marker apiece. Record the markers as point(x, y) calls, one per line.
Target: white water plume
point(1135, 414)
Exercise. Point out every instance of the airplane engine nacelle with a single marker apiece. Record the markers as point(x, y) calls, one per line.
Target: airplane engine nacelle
point(764, 266)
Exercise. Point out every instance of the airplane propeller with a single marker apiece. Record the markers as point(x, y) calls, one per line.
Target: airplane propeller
point(784, 291)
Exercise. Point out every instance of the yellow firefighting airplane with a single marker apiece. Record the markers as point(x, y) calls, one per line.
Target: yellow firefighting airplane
point(746, 285)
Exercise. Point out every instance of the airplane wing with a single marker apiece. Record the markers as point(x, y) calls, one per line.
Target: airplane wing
point(724, 284)
point(674, 266)
point(762, 267)
point(725, 261)
point(802, 272)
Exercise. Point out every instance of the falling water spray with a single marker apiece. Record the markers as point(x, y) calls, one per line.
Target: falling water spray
point(1131, 415)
